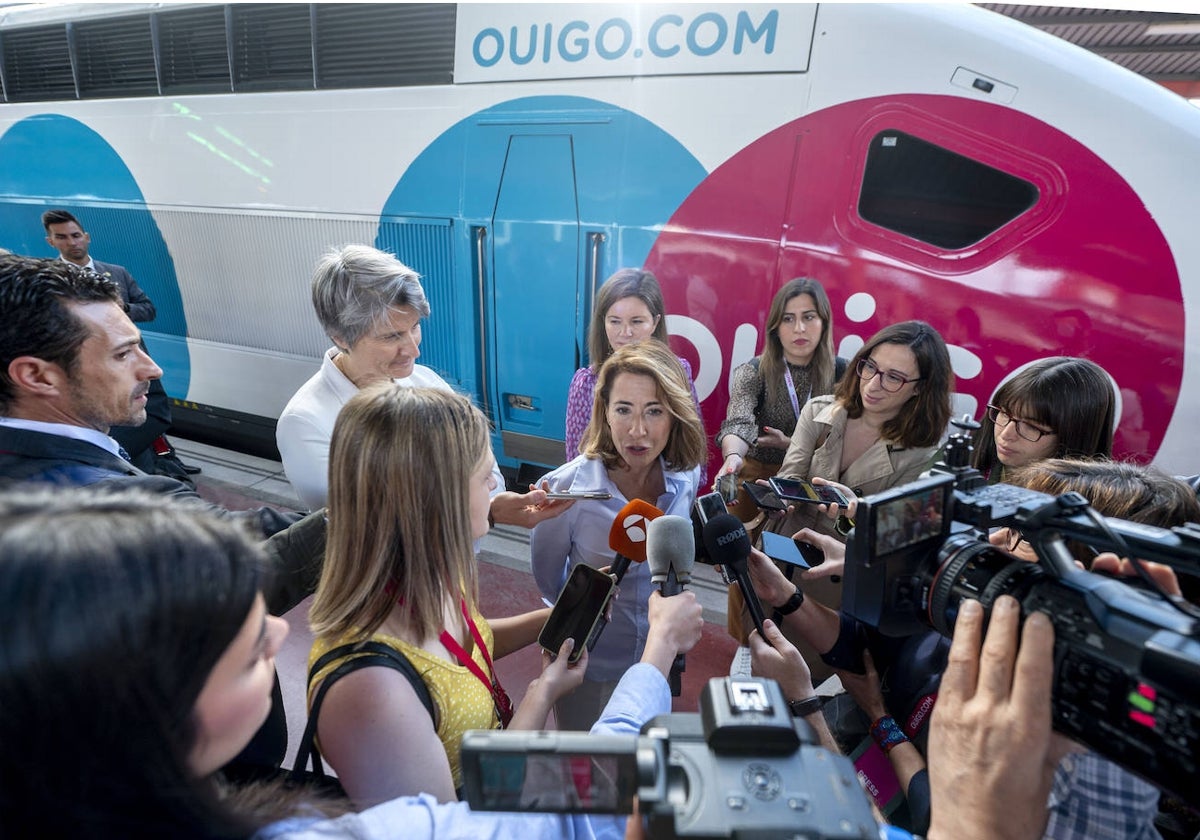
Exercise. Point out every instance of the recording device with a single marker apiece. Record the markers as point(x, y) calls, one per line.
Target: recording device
point(627, 537)
point(726, 487)
point(579, 611)
point(1127, 661)
point(764, 497)
point(789, 550)
point(579, 494)
point(804, 491)
point(727, 543)
point(671, 553)
point(741, 767)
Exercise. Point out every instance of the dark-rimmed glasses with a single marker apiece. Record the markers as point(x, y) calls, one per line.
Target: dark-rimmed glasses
point(889, 379)
point(1025, 429)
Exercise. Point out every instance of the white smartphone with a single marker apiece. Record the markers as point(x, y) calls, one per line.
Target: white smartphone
point(579, 494)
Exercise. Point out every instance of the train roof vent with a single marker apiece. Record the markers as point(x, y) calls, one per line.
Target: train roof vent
point(384, 45)
point(37, 64)
point(115, 57)
point(272, 46)
point(193, 52)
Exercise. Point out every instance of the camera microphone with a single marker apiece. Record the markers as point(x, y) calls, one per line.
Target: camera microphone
point(728, 545)
point(627, 537)
point(671, 553)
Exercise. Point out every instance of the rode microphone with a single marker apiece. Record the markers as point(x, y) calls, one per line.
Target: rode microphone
point(671, 553)
point(627, 537)
point(727, 543)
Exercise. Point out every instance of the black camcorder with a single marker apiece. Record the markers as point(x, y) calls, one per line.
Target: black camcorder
point(1127, 660)
point(741, 767)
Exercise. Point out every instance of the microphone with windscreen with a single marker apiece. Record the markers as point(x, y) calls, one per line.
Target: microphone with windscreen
point(728, 544)
point(671, 553)
point(627, 537)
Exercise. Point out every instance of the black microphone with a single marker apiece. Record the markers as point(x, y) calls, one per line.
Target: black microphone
point(671, 553)
point(728, 544)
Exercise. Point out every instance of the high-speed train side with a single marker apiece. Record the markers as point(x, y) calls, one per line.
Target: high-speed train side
point(938, 162)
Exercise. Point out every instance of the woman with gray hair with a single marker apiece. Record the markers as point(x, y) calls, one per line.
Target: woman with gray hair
point(370, 305)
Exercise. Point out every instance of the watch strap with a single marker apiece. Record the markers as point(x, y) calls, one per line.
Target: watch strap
point(807, 706)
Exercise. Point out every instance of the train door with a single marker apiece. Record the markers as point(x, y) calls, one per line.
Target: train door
point(536, 290)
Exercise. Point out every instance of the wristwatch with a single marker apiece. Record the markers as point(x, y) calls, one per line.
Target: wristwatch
point(791, 604)
point(804, 708)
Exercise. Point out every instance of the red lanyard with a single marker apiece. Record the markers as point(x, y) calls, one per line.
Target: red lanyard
point(500, 698)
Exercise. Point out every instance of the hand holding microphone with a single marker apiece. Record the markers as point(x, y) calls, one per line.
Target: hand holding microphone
point(671, 553)
point(727, 544)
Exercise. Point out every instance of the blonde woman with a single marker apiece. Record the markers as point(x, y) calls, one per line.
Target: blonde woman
point(409, 484)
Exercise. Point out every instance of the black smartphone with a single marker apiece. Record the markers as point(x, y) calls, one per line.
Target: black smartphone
point(764, 497)
point(710, 505)
point(804, 491)
point(797, 552)
point(579, 611)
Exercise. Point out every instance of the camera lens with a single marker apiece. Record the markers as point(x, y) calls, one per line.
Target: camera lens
point(969, 568)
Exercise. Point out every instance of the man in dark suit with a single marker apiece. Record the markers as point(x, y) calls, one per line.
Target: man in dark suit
point(72, 366)
point(146, 443)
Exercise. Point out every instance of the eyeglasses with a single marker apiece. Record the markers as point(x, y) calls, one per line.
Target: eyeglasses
point(889, 379)
point(1025, 429)
point(1015, 538)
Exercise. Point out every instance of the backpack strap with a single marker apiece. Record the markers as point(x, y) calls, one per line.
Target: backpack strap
point(369, 655)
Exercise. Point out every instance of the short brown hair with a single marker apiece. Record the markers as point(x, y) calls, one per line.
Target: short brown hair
point(628, 282)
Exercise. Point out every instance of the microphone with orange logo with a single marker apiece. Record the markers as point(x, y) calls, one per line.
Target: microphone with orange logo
point(627, 537)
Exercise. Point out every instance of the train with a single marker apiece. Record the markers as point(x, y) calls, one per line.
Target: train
point(942, 162)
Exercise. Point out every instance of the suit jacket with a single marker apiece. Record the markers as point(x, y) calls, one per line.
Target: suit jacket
point(141, 308)
point(295, 543)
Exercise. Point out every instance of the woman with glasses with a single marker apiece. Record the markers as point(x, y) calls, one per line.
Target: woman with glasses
point(1061, 407)
point(879, 429)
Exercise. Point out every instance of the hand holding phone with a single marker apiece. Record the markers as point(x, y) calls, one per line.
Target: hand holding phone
point(579, 611)
point(788, 550)
point(804, 491)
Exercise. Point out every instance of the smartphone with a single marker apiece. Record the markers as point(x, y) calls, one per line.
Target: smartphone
point(579, 494)
point(708, 506)
point(579, 611)
point(803, 491)
point(764, 497)
point(788, 550)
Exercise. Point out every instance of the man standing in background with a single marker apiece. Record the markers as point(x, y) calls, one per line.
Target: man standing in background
point(147, 444)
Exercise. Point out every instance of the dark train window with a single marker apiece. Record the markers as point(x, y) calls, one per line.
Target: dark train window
point(115, 57)
point(931, 194)
point(37, 64)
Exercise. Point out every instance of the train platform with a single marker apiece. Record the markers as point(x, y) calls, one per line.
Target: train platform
point(238, 481)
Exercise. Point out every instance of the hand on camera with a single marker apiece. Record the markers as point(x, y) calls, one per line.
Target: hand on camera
point(1164, 576)
point(990, 761)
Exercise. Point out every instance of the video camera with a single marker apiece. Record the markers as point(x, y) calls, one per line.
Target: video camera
point(741, 767)
point(1127, 661)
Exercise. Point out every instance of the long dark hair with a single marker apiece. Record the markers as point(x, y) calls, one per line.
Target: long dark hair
point(117, 607)
point(772, 365)
point(627, 282)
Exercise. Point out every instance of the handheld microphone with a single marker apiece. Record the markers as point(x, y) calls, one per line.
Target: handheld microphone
point(727, 543)
point(627, 537)
point(671, 553)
